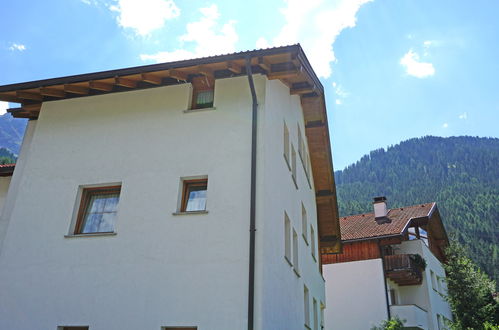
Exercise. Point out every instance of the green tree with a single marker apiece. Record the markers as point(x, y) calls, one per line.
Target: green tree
point(470, 292)
point(391, 324)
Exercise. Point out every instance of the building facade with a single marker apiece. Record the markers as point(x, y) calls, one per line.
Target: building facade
point(391, 266)
point(172, 196)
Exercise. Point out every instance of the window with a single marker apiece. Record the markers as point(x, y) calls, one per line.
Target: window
point(316, 315)
point(73, 328)
point(293, 165)
point(433, 280)
point(304, 223)
point(301, 145)
point(194, 195)
point(393, 297)
point(178, 328)
point(306, 305)
point(312, 240)
point(295, 253)
point(323, 307)
point(98, 209)
point(286, 145)
point(203, 92)
point(287, 238)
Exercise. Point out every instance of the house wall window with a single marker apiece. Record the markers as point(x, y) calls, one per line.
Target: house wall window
point(312, 240)
point(323, 307)
point(203, 92)
point(178, 328)
point(72, 328)
point(286, 145)
point(287, 238)
point(316, 315)
point(433, 280)
point(98, 210)
point(295, 253)
point(304, 223)
point(194, 193)
point(393, 296)
point(306, 305)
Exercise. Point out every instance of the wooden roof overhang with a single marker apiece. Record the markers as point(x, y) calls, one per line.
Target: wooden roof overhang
point(7, 169)
point(288, 64)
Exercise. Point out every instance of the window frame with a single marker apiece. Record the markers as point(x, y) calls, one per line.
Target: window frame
point(287, 240)
point(186, 183)
point(304, 223)
point(86, 194)
point(202, 84)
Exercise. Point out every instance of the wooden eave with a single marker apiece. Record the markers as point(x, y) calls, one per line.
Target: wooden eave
point(288, 64)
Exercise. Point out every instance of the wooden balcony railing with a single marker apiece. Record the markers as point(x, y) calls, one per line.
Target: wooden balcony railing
point(403, 270)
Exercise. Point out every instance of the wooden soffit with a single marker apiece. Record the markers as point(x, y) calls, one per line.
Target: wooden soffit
point(287, 64)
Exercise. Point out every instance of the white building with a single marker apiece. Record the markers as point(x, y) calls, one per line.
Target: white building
point(380, 273)
point(158, 198)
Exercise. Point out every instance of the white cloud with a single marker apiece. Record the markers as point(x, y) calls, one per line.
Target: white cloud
point(445, 125)
point(262, 43)
point(338, 102)
point(415, 67)
point(208, 37)
point(15, 46)
point(316, 24)
point(144, 16)
point(3, 107)
point(463, 116)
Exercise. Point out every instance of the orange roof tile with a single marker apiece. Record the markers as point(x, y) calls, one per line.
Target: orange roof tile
point(364, 226)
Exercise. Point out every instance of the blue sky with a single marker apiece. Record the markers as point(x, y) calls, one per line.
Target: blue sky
point(392, 69)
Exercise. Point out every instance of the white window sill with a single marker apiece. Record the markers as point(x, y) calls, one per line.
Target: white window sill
point(190, 212)
point(199, 110)
point(90, 235)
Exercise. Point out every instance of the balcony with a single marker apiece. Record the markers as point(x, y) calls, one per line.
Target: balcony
point(403, 269)
point(414, 317)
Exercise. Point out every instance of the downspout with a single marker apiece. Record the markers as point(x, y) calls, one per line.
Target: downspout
point(252, 229)
point(384, 280)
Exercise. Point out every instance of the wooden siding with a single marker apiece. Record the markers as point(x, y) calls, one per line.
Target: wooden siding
point(356, 251)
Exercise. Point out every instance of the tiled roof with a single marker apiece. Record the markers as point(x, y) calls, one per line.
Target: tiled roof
point(363, 226)
point(7, 169)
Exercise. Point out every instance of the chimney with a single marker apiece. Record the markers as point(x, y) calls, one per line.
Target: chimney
point(380, 208)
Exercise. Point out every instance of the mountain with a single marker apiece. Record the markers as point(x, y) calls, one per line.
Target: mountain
point(11, 132)
point(460, 173)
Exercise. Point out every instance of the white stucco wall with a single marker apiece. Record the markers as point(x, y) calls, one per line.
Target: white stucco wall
point(424, 295)
point(4, 187)
point(280, 301)
point(160, 269)
point(355, 295)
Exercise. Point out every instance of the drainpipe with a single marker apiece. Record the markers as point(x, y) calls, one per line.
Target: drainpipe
point(384, 280)
point(252, 229)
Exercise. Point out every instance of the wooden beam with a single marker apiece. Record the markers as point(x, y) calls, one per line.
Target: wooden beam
point(74, 89)
point(204, 70)
point(125, 82)
point(9, 98)
point(305, 90)
point(152, 78)
point(179, 75)
point(29, 96)
point(100, 86)
point(32, 107)
point(264, 64)
point(52, 92)
point(234, 67)
point(283, 74)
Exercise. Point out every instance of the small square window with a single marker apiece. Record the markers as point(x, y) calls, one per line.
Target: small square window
point(98, 209)
point(203, 92)
point(194, 195)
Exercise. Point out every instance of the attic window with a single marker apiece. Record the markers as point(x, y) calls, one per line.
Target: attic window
point(194, 195)
point(203, 92)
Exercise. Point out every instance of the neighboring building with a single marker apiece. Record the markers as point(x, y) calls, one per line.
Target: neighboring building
point(380, 273)
point(196, 194)
point(5, 175)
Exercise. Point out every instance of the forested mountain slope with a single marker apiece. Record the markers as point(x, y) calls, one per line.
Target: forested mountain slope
point(11, 132)
point(460, 173)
